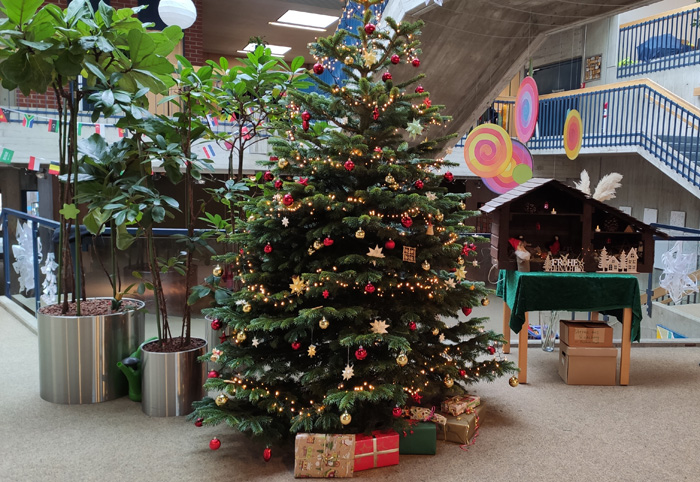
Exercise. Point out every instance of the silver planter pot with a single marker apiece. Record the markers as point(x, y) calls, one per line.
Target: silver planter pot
point(78, 355)
point(171, 382)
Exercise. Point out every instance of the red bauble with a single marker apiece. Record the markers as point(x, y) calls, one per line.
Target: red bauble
point(466, 310)
point(278, 184)
point(305, 116)
point(199, 422)
point(407, 222)
point(412, 326)
point(386, 76)
point(267, 454)
point(397, 411)
point(318, 69)
point(305, 125)
point(462, 373)
point(295, 345)
point(375, 114)
point(390, 244)
point(415, 62)
point(370, 28)
point(370, 288)
point(449, 177)
point(287, 200)
point(360, 353)
point(420, 89)
point(216, 324)
point(268, 176)
point(274, 158)
point(213, 374)
point(214, 443)
point(395, 59)
point(349, 165)
point(418, 184)
point(491, 349)
point(268, 248)
point(328, 242)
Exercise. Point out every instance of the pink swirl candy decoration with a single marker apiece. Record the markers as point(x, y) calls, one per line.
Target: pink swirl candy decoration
point(527, 106)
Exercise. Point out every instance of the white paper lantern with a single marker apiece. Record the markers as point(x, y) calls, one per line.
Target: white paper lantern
point(177, 12)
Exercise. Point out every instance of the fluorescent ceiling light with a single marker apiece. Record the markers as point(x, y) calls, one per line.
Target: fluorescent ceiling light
point(303, 27)
point(307, 19)
point(274, 49)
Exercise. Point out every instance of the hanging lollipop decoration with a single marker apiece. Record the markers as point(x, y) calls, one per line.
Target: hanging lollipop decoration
point(573, 134)
point(518, 171)
point(488, 150)
point(526, 109)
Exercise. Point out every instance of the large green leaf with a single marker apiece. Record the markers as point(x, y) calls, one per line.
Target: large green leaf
point(19, 11)
point(140, 45)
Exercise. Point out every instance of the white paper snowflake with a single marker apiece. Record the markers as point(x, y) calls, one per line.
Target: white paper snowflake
point(677, 267)
point(50, 289)
point(255, 342)
point(23, 253)
point(348, 372)
point(285, 221)
point(431, 196)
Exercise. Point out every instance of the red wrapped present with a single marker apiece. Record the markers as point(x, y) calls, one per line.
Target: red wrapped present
point(380, 449)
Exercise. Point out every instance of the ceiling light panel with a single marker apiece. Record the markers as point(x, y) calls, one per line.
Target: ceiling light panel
point(274, 49)
point(307, 19)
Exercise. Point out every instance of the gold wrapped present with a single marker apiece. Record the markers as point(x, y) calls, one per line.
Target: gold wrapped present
point(461, 428)
point(324, 455)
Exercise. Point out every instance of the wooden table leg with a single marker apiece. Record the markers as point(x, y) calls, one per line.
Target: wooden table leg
point(522, 350)
point(506, 327)
point(626, 346)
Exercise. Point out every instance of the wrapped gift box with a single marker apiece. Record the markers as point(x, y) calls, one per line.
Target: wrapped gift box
point(324, 455)
point(460, 404)
point(461, 429)
point(380, 449)
point(421, 439)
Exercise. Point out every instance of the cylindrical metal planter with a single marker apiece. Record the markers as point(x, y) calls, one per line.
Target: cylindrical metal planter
point(172, 381)
point(78, 355)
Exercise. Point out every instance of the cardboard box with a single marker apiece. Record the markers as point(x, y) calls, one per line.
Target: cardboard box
point(420, 439)
point(380, 449)
point(576, 333)
point(587, 366)
point(459, 404)
point(324, 455)
point(461, 429)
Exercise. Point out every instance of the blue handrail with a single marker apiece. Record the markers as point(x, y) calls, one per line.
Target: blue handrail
point(664, 43)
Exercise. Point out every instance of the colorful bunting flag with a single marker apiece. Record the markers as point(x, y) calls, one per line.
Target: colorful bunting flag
point(209, 151)
point(213, 121)
point(98, 129)
point(80, 128)
point(6, 155)
point(2, 116)
point(120, 132)
point(54, 169)
point(245, 135)
point(53, 125)
point(28, 121)
point(33, 164)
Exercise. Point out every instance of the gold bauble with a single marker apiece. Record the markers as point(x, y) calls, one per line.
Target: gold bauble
point(460, 260)
point(349, 60)
point(282, 163)
point(221, 400)
point(241, 336)
point(462, 206)
point(360, 234)
point(390, 179)
point(318, 244)
point(247, 308)
point(425, 265)
point(323, 323)
point(449, 381)
point(402, 359)
point(217, 271)
point(513, 381)
point(439, 217)
point(394, 186)
point(345, 418)
point(436, 331)
point(485, 301)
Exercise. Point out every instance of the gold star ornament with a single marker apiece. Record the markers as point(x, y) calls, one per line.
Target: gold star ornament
point(460, 274)
point(298, 285)
point(379, 327)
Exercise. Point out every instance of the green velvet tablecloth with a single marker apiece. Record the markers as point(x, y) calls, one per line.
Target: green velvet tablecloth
point(544, 291)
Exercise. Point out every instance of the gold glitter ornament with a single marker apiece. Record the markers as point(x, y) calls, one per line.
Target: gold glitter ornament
point(402, 359)
point(349, 61)
point(221, 400)
point(247, 308)
point(513, 381)
point(217, 271)
point(436, 331)
point(282, 163)
point(448, 381)
point(323, 323)
point(318, 244)
point(439, 217)
point(240, 336)
point(390, 179)
point(425, 265)
point(485, 301)
point(360, 234)
point(345, 418)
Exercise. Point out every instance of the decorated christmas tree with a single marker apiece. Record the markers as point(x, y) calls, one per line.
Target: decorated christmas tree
point(352, 259)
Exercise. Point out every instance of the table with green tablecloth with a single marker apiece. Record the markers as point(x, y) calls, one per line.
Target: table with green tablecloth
point(613, 294)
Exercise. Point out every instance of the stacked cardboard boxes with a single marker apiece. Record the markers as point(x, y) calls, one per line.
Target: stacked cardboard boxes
point(586, 353)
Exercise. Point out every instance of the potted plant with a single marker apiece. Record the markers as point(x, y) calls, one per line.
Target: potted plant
point(49, 49)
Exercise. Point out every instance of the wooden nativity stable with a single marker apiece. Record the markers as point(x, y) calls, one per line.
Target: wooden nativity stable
point(553, 218)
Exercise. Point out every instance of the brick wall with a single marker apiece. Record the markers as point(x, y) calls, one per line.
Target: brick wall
point(194, 41)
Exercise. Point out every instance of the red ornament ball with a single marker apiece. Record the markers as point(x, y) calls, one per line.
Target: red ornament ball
point(361, 353)
point(287, 200)
point(390, 244)
point(395, 59)
point(274, 158)
point(296, 345)
point(216, 324)
point(467, 310)
point(305, 116)
point(370, 28)
point(370, 288)
point(462, 373)
point(268, 176)
point(420, 89)
point(199, 422)
point(267, 454)
point(349, 165)
point(415, 62)
point(268, 248)
point(305, 125)
point(215, 444)
point(491, 349)
point(213, 374)
point(386, 76)
point(375, 114)
point(318, 69)
point(449, 177)
point(418, 184)
point(328, 242)
point(407, 222)
point(278, 184)
point(412, 326)
point(397, 411)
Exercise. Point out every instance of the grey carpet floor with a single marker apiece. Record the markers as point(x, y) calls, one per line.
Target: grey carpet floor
point(543, 431)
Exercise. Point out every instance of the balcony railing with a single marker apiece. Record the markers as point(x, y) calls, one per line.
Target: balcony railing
point(667, 41)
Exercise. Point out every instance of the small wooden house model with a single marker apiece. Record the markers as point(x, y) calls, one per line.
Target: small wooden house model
point(555, 219)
